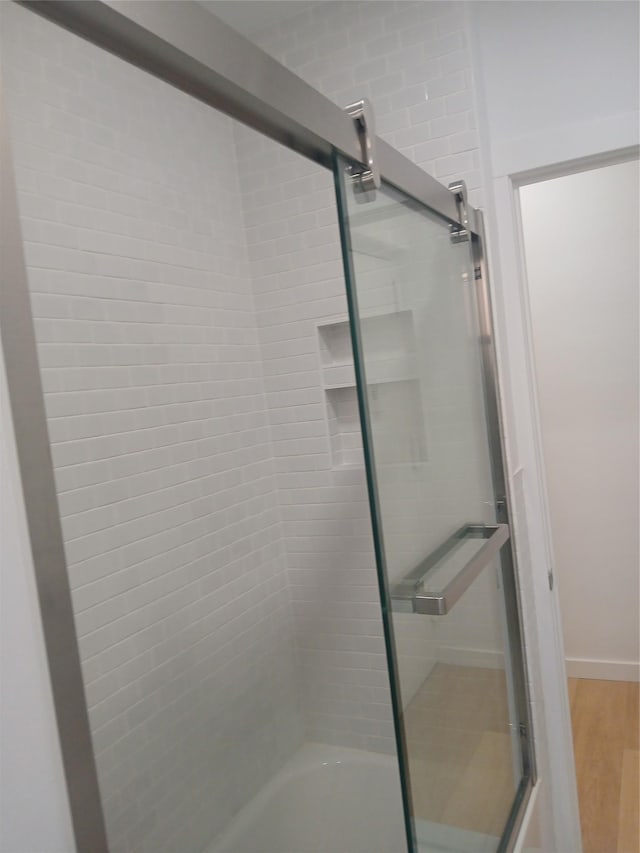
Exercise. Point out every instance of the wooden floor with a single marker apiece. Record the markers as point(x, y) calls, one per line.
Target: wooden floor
point(459, 745)
point(605, 720)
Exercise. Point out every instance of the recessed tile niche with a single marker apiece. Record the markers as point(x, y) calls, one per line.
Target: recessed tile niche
point(395, 399)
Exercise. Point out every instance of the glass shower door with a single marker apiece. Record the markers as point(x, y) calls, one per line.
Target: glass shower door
point(442, 544)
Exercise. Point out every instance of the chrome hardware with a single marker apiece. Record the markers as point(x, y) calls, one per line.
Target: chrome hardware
point(366, 178)
point(460, 233)
point(459, 189)
point(410, 596)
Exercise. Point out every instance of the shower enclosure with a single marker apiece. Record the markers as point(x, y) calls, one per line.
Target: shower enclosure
point(251, 370)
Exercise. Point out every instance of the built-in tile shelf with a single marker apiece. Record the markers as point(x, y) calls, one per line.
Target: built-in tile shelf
point(392, 377)
point(343, 418)
point(341, 376)
point(392, 369)
point(389, 344)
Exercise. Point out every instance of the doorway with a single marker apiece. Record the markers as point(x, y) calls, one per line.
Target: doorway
point(581, 252)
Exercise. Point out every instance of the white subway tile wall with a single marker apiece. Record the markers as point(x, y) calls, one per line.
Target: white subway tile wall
point(411, 60)
point(180, 267)
point(298, 281)
point(138, 270)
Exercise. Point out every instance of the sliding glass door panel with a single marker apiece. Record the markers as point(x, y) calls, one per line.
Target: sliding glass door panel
point(442, 543)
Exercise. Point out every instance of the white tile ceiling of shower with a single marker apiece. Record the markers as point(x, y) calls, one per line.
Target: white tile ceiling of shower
point(412, 61)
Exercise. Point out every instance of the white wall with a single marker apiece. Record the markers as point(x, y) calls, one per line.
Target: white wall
point(581, 247)
point(560, 80)
point(522, 54)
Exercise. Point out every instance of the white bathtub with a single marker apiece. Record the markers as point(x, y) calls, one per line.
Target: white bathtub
point(324, 800)
point(329, 799)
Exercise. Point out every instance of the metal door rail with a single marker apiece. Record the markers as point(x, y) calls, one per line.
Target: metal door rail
point(186, 45)
point(410, 593)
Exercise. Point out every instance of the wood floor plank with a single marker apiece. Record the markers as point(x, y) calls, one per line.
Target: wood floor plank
point(573, 685)
point(479, 806)
point(629, 811)
point(604, 720)
point(632, 725)
point(459, 745)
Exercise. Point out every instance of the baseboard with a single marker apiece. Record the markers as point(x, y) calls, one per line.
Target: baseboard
point(607, 670)
point(486, 658)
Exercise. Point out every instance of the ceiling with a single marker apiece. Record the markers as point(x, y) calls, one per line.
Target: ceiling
point(251, 17)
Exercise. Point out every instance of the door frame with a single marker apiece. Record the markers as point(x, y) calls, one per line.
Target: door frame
point(534, 176)
point(556, 791)
point(559, 732)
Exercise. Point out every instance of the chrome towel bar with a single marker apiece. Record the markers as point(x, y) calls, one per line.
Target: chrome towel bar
point(414, 594)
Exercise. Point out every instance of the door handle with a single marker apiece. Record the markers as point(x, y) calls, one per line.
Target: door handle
point(414, 594)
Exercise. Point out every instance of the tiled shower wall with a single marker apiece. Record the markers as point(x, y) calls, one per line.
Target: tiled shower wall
point(298, 282)
point(191, 446)
point(137, 265)
point(411, 59)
